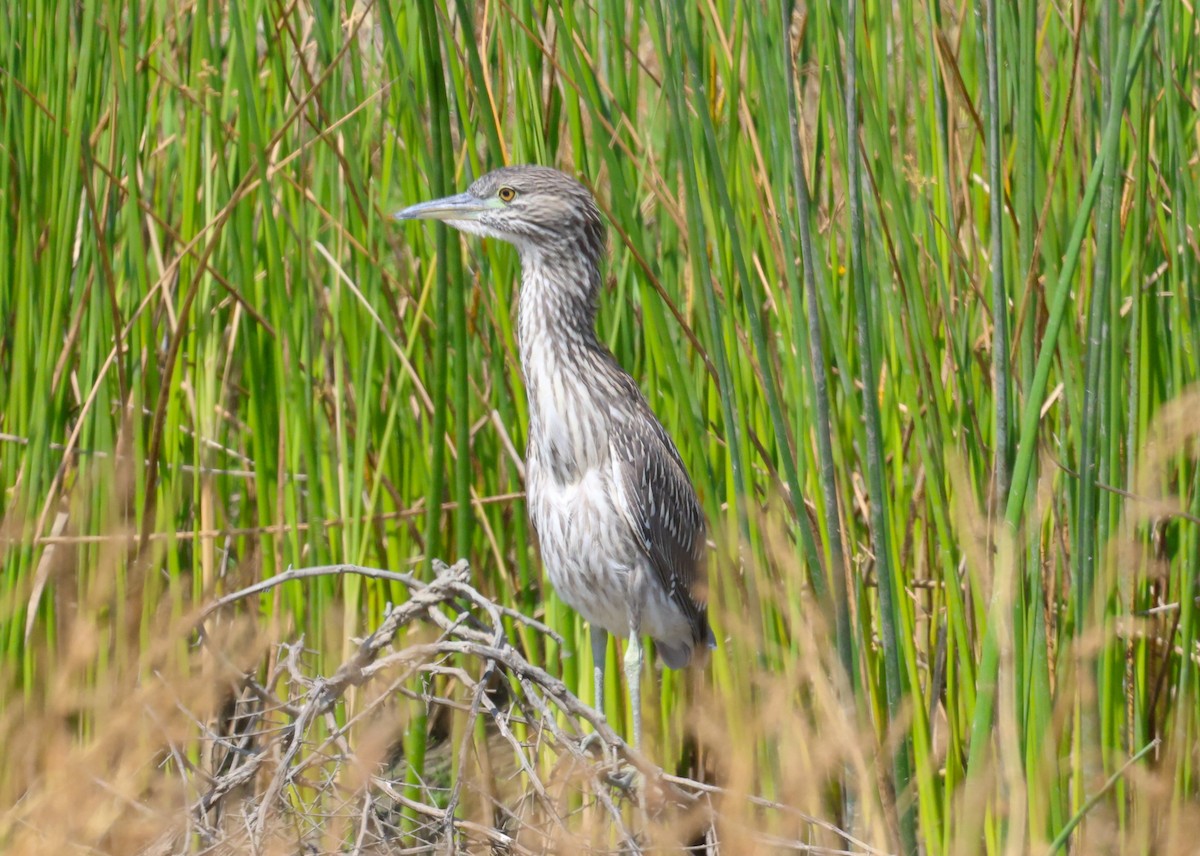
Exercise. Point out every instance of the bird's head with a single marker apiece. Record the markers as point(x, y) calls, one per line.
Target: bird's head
point(535, 208)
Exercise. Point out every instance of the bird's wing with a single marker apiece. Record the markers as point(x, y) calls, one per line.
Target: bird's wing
point(662, 510)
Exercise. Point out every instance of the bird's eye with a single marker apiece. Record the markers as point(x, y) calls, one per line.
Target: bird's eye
point(506, 194)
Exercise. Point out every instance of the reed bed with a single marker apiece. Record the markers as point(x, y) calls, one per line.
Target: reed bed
point(915, 288)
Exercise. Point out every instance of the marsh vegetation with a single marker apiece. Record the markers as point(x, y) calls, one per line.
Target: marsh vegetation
point(931, 363)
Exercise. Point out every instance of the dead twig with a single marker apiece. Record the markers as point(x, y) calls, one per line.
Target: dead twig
point(542, 785)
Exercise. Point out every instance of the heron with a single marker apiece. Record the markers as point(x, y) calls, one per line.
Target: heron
point(620, 528)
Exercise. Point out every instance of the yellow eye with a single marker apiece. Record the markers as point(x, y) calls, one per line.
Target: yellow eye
point(506, 194)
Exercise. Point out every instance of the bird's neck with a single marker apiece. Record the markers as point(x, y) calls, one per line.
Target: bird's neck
point(556, 322)
point(562, 361)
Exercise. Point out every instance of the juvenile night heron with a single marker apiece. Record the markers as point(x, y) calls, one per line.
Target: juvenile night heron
point(621, 531)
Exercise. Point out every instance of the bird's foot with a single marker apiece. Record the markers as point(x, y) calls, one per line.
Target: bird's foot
point(607, 756)
point(615, 772)
point(627, 779)
point(592, 744)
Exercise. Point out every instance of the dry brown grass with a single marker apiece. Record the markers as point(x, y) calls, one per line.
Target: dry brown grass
point(214, 736)
point(212, 732)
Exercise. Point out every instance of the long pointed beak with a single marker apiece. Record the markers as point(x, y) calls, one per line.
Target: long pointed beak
point(462, 206)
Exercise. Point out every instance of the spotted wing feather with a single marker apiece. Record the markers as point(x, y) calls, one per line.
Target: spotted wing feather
point(665, 515)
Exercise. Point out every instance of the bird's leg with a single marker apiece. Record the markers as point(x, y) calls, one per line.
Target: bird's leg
point(629, 779)
point(599, 661)
point(633, 676)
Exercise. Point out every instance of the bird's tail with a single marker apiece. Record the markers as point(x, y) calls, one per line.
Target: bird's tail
point(674, 656)
point(679, 655)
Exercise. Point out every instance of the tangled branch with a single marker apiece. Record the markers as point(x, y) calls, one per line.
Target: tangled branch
point(509, 773)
